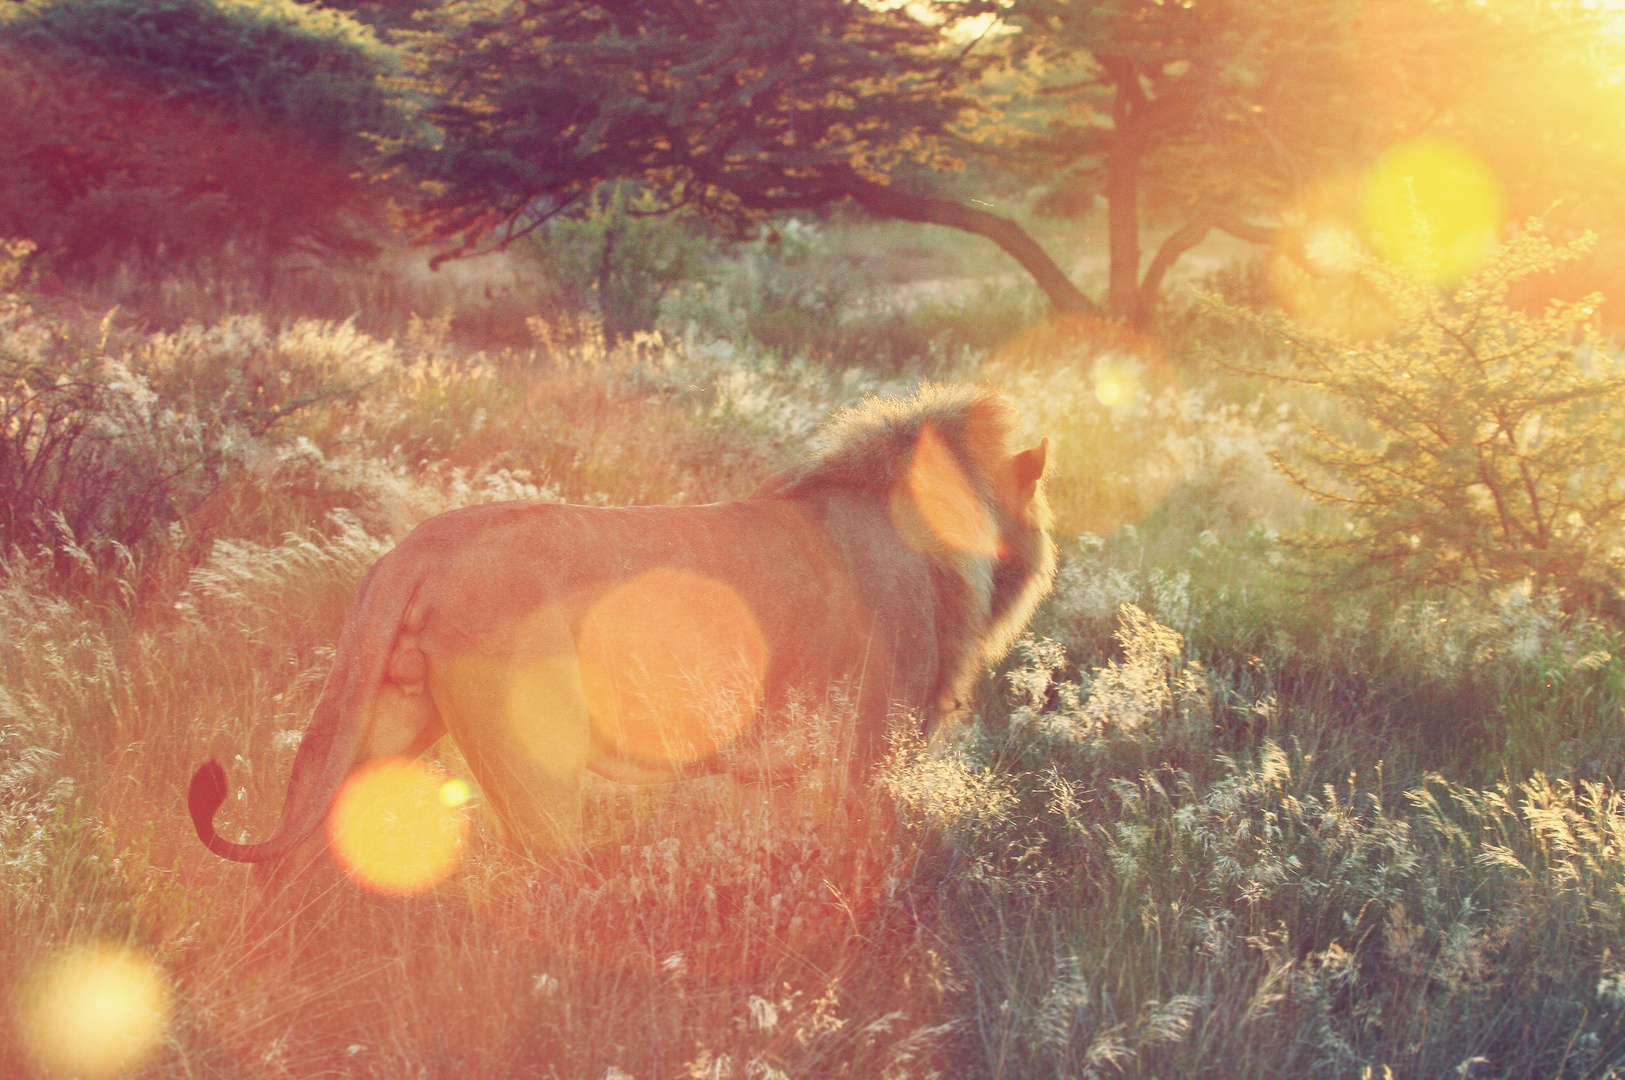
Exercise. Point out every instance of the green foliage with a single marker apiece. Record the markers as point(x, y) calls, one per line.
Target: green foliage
point(1257, 924)
point(293, 65)
point(1488, 447)
point(734, 109)
point(1557, 705)
point(172, 127)
point(1144, 891)
point(620, 248)
point(841, 293)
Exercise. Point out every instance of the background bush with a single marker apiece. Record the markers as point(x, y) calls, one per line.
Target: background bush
point(1488, 441)
point(168, 131)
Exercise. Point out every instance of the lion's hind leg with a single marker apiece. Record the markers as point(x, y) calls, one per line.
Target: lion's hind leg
point(521, 721)
point(404, 724)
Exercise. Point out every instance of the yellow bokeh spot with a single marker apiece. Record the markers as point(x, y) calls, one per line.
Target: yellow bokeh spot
point(1117, 382)
point(455, 792)
point(392, 828)
point(1112, 392)
point(1432, 208)
point(96, 1011)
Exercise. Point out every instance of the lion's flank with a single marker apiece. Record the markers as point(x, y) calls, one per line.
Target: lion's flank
point(872, 445)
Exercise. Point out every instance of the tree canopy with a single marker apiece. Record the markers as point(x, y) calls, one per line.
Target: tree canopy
point(178, 126)
point(735, 108)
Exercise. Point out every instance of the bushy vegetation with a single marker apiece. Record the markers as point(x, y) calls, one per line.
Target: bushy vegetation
point(162, 133)
point(1487, 441)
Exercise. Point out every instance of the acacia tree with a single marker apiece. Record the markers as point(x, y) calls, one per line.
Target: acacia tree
point(1210, 113)
point(1223, 114)
point(734, 107)
point(173, 127)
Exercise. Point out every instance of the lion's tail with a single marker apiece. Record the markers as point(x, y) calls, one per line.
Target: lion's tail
point(203, 799)
point(333, 741)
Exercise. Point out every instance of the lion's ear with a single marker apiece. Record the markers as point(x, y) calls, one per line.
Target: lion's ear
point(1028, 467)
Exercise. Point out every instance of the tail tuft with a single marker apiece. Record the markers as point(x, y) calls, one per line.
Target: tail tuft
point(207, 792)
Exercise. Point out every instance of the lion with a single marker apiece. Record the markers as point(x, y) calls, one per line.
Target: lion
point(658, 642)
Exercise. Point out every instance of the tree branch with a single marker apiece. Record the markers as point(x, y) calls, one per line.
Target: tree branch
point(1246, 230)
point(1180, 241)
point(1012, 238)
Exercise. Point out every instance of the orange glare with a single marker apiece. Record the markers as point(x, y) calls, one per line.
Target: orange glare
point(393, 828)
point(96, 1011)
point(1432, 208)
point(936, 494)
point(672, 665)
point(1316, 268)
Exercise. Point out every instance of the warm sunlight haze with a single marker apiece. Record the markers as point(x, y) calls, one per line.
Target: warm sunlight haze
point(96, 1012)
point(812, 540)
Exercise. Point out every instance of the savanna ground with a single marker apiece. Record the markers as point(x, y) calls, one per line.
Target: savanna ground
point(1220, 815)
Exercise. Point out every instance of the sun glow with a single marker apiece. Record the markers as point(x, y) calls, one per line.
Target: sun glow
point(1432, 208)
point(1429, 208)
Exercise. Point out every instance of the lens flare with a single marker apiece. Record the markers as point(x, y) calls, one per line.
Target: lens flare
point(394, 830)
point(935, 507)
point(455, 792)
point(97, 1011)
point(1432, 208)
point(671, 666)
point(1118, 382)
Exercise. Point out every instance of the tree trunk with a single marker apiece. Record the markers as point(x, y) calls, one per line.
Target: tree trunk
point(1180, 241)
point(1123, 155)
point(1123, 230)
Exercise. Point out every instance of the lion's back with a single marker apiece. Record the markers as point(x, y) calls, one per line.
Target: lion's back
point(824, 580)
